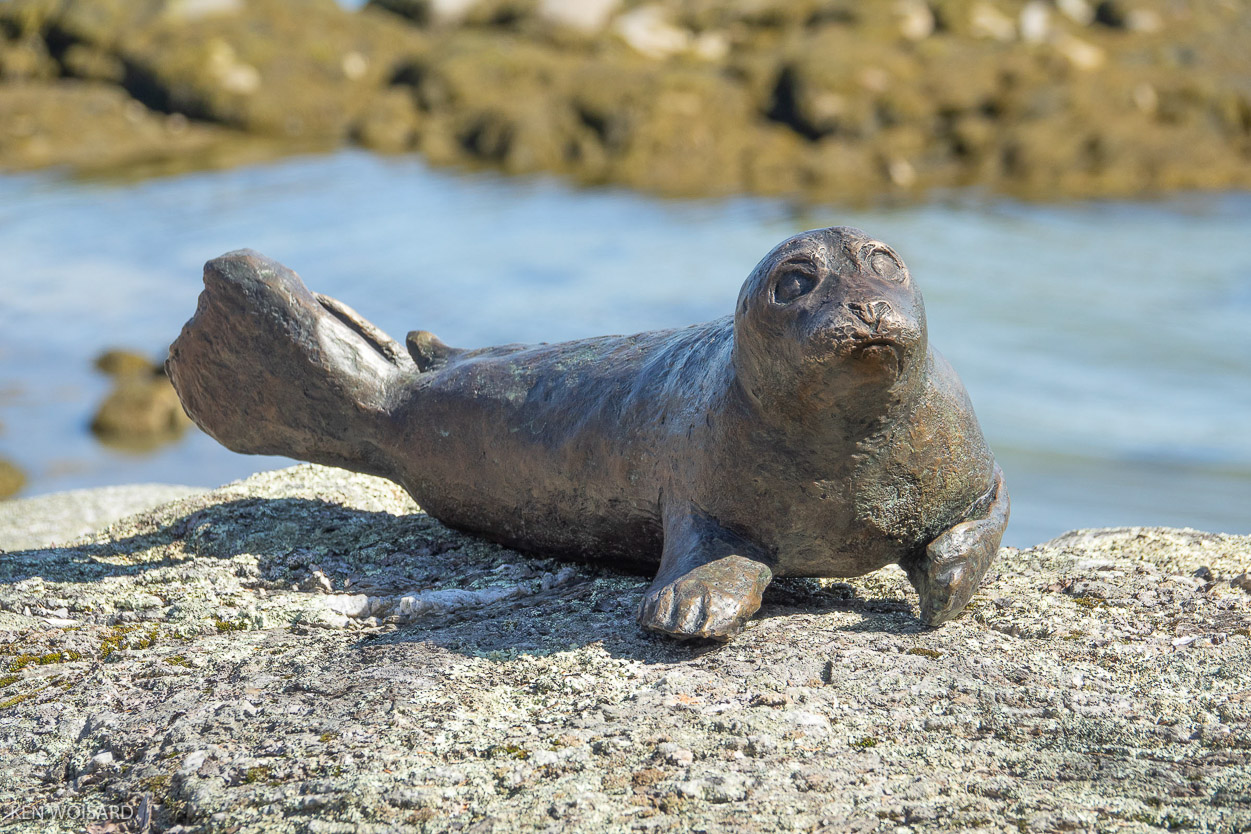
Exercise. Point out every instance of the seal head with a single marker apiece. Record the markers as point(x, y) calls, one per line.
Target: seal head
point(830, 327)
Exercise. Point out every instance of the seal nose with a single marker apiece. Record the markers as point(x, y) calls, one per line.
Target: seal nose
point(872, 313)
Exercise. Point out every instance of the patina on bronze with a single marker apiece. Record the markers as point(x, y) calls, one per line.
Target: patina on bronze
point(812, 433)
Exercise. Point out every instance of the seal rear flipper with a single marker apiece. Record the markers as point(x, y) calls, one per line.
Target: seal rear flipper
point(267, 367)
point(428, 351)
point(955, 562)
point(709, 584)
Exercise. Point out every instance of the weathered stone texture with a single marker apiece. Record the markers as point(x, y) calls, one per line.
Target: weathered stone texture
point(246, 660)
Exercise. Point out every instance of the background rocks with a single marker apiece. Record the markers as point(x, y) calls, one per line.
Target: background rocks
point(11, 479)
point(822, 99)
point(142, 411)
point(212, 663)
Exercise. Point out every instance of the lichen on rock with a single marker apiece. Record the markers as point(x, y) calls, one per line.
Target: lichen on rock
point(244, 660)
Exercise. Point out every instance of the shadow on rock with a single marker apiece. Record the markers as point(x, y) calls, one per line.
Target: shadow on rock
point(788, 597)
point(400, 579)
point(283, 534)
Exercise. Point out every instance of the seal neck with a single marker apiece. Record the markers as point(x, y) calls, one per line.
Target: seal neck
point(812, 410)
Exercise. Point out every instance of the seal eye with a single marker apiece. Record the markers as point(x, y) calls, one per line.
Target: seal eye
point(792, 285)
point(887, 265)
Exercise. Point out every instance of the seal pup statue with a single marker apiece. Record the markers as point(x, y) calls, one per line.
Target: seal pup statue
point(812, 433)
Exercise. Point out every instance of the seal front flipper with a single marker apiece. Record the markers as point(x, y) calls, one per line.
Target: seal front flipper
point(710, 581)
point(955, 562)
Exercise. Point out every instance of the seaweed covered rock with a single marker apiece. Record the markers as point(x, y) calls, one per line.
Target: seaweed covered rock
point(142, 411)
point(821, 99)
point(306, 650)
point(211, 82)
point(12, 479)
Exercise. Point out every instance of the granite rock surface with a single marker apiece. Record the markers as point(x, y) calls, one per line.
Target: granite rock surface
point(52, 520)
point(306, 651)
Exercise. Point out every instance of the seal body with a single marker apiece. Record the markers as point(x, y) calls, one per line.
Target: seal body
point(588, 438)
point(812, 433)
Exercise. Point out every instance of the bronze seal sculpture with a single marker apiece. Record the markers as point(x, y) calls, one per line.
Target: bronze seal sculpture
point(813, 433)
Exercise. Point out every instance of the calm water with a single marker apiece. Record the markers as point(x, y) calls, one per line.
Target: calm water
point(1107, 347)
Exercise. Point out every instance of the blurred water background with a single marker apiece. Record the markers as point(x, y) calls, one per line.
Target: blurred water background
point(1106, 346)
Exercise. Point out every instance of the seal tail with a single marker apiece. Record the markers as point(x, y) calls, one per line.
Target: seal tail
point(267, 367)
